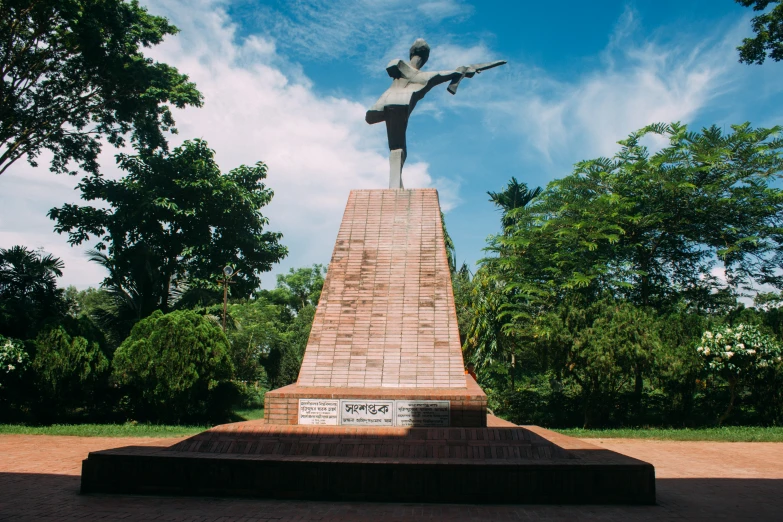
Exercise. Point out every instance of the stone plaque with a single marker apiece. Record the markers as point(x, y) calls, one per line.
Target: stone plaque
point(318, 412)
point(363, 412)
point(424, 414)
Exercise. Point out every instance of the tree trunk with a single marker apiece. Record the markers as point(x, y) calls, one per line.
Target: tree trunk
point(638, 391)
point(733, 389)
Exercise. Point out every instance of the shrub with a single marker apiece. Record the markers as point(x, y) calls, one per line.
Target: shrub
point(70, 372)
point(739, 355)
point(176, 367)
point(14, 363)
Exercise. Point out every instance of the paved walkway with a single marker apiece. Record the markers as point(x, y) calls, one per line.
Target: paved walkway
point(39, 480)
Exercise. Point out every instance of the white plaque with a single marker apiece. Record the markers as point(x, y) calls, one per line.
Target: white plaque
point(318, 412)
point(424, 414)
point(363, 412)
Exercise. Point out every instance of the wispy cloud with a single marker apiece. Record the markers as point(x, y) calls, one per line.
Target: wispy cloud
point(350, 28)
point(638, 81)
point(258, 106)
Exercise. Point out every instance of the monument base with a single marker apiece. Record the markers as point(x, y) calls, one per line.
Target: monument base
point(466, 407)
point(502, 463)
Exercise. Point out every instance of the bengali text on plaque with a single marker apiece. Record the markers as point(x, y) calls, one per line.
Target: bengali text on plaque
point(425, 414)
point(362, 412)
point(318, 412)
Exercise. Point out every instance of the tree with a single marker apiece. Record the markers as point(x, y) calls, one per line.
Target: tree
point(14, 362)
point(487, 342)
point(602, 346)
point(74, 72)
point(515, 195)
point(768, 27)
point(299, 288)
point(172, 223)
point(650, 227)
point(738, 354)
point(70, 371)
point(29, 297)
point(176, 367)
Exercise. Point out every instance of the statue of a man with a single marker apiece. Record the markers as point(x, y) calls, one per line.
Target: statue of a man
point(409, 85)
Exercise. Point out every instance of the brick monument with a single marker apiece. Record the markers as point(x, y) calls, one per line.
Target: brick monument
point(382, 409)
point(384, 349)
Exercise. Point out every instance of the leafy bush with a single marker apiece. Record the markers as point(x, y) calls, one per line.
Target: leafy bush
point(176, 367)
point(739, 355)
point(70, 371)
point(13, 361)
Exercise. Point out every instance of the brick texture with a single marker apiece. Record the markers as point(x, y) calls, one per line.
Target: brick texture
point(386, 318)
point(468, 405)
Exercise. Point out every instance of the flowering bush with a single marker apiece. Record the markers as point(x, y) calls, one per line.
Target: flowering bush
point(13, 360)
point(738, 353)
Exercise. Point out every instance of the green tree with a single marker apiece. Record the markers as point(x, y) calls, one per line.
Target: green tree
point(74, 73)
point(738, 354)
point(492, 347)
point(514, 196)
point(14, 363)
point(70, 372)
point(299, 288)
point(176, 367)
point(29, 297)
point(768, 27)
point(649, 227)
point(172, 223)
point(602, 345)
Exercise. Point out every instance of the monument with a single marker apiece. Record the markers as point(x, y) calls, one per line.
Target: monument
point(382, 408)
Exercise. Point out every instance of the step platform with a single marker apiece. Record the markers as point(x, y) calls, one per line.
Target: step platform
point(500, 463)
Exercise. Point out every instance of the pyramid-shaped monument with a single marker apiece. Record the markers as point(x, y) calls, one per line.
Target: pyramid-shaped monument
point(385, 330)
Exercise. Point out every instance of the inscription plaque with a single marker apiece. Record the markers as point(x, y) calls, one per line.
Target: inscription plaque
point(423, 414)
point(362, 412)
point(319, 412)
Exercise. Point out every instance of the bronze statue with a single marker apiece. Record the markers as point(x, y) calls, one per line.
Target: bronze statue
point(409, 85)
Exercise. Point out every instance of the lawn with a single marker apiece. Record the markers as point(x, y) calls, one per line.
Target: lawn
point(723, 434)
point(129, 429)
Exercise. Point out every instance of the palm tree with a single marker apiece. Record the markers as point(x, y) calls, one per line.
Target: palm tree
point(515, 195)
point(29, 296)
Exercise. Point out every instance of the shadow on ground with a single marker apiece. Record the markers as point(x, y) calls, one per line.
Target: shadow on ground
point(26, 496)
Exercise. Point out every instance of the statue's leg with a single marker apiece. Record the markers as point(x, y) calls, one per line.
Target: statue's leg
point(396, 126)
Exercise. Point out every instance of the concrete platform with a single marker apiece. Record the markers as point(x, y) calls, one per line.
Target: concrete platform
point(501, 463)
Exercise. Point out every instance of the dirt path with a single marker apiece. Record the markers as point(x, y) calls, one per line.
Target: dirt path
point(39, 480)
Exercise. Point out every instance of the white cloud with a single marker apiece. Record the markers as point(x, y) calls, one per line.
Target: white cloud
point(258, 106)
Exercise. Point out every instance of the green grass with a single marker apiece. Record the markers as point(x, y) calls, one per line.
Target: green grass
point(103, 430)
point(724, 434)
point(129, 429)
point(249, 414)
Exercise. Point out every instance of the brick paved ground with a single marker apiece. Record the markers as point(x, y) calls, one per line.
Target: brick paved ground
point(39, 480)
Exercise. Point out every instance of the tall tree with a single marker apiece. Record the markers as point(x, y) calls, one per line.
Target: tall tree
point(650, 227)
point(174, 221)
point(29, 297)
point(515, 195)
point(768, 27)
point(74, 72)
point(299, 288)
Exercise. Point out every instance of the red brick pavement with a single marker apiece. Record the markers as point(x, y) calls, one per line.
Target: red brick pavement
point(39, 480)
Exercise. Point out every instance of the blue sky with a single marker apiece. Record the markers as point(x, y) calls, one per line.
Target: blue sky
point(287, 82)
